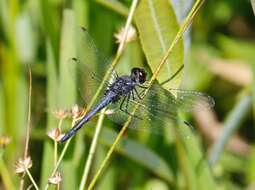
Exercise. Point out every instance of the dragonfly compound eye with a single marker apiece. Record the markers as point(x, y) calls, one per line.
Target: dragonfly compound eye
point(138, 75)
point(142, 76)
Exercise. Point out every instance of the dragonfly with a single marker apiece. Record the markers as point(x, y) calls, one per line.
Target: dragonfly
point(122, 93)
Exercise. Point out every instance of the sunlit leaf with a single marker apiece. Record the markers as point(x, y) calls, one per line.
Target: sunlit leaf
point(157, 26)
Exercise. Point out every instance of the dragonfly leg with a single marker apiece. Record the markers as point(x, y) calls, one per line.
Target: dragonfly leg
point(126, 100)
point(139, 94)
point(132, 94)
point(122, 102)
point(141, 86)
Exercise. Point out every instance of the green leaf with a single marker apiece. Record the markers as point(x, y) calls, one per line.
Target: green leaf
point(157, 26)
point(60, 92)
point(138, 152)
point(50, 25)
point(67, 90)
point(4, 173)
point(47, 157)
point(193, 163)
point(116, 6)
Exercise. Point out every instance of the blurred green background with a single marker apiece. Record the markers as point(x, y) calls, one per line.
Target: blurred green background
point(218, 53)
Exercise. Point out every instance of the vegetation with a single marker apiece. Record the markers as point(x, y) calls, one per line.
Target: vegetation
point(39, 90)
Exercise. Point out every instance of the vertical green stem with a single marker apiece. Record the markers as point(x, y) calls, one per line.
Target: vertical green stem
point(28, 124)
point(59, 159)
point(92, 150)
point(32, 179)
point(55, 152)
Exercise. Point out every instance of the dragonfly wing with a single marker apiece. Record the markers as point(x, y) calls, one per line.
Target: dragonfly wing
point(87, 81)
point(148, 116)
point(187, 101)
point(88, 54)
point(183, 100)
point(90, 68)
point(159, 108)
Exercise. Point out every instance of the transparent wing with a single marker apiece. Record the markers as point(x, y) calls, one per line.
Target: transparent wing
point(159, 108)
point(153, 112)
point(89, 55)
point(90, 68)
point(183, 100)
point(187, 101)
point(87, 82)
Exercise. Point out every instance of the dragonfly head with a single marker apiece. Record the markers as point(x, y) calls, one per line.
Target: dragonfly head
point(138, 75)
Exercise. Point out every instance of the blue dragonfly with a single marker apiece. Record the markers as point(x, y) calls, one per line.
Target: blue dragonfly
point(121, 93)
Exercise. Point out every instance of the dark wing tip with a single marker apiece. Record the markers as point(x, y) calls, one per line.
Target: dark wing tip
point(84, 29)
point(189, 126)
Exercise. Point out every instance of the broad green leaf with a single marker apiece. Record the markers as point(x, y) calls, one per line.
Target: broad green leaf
point(50, 25)
point(51, 72)
point(157, 26)
point(67, 91)
point(61, 92)
point(138, 152)
point(194, 164)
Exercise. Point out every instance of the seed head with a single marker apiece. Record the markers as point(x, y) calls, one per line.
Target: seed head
point(77, 111)
point(56, 179)
point(22, 165)
point(131, 35)
point(55, 134)
point(60, 114)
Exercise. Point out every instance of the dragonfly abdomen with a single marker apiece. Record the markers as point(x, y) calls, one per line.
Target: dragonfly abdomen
point(103, 103)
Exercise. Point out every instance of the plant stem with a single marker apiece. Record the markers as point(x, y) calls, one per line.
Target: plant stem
point(60, 159)
point(29, 115)
point(92, 150)
point(56, 145)
point(55, 152)
point(28, 124)
point(32, 179)
point(233, 121)
point(179, 34)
